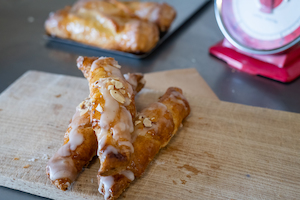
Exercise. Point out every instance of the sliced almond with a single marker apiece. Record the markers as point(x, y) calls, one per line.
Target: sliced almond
point(117, 96)
point(147, 122)
point(81, 105)
point(99, 108)
point(137, 122)
point(122, 91)
point(110, 87)
point(83, 111)
point(129, 95)
point(118, 84)
point(118, 66)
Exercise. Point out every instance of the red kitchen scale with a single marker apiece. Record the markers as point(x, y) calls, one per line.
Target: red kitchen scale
point(261, 37)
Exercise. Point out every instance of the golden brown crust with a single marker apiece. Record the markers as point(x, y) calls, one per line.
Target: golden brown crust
point(80, 157)
point(85, 65)
point(102, 24)
point(116, 189)
point(161, 14)
point(166, 117)
point(69, 159)
point(136, 80)
point(176, 104)
point(115, 145)
point(62, 183)
point(167, 123)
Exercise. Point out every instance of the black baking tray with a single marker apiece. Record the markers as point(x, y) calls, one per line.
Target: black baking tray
point(185, 9)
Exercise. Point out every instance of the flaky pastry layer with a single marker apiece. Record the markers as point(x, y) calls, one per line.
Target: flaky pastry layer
point(103, 24)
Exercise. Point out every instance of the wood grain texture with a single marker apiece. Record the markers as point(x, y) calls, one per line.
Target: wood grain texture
point(224, 150)
point(187, 79)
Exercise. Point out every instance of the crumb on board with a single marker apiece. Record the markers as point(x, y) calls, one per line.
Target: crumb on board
point(26, 166)
point(16, 158)
point(57, 96)
point(32, 159)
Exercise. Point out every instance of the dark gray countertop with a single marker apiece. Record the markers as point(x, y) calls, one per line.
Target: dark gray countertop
point(23, 48)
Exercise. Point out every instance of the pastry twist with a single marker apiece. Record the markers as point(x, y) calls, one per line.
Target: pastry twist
point(80, 142)
point(155, 126)
point(102, 24)
point(112, 111)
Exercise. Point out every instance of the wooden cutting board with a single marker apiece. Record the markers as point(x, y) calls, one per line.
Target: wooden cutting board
point(223, 151)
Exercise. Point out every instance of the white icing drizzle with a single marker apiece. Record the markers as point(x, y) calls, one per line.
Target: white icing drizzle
point(75, 138)
point(95, 63)
point(106, 182)
point(110, 108)
point(129, 174)
point(62, 167)
point(101, 141)
point(113, 111)
point(126, 143)
point(131, 79)
point(61, 164)
point(109, 149)
point(64, 150)
point(124, 127)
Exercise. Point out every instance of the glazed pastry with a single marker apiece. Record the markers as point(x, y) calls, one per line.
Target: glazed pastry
point(160, 14)
point(103, 24)
point(112, 111)
point(154, 127)
point(80, 142)
point(136, 80)
point(80, 146)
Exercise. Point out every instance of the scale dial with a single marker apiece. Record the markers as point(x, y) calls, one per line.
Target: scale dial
point(259, 26)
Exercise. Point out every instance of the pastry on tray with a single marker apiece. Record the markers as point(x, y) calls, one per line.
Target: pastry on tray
point(107, 124)
point(160, 14)
point(125, 26)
